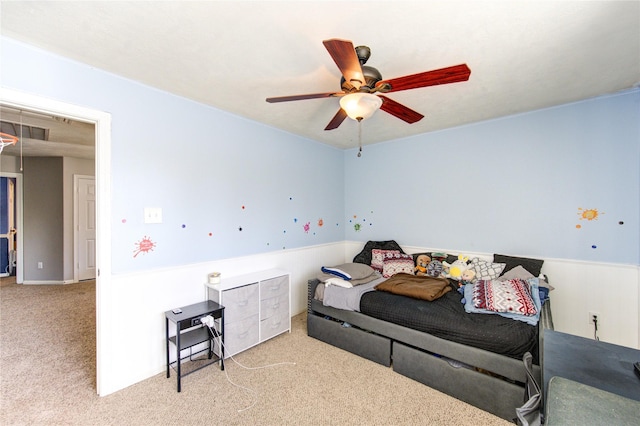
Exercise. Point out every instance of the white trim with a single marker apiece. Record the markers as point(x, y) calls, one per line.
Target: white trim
point(102, 122)
point(19, 225)
point(45, 282)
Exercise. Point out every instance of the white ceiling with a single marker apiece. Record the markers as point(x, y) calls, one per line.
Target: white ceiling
point(523, 55)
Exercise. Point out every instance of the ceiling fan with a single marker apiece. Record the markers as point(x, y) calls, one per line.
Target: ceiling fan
point(362, 84)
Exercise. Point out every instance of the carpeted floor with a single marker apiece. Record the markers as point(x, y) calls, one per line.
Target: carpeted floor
point(47, 368)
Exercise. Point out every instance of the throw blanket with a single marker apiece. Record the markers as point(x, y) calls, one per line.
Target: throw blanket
point(418, 287)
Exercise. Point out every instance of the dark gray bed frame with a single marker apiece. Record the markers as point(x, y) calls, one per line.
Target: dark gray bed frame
point(411, 353)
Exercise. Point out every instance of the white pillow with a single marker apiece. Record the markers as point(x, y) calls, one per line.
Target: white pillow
point(339, 282)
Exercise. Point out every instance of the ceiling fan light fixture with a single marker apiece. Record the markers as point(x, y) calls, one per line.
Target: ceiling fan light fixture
point(360, 106)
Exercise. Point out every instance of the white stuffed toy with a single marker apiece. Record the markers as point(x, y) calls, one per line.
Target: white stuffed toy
point(455, 270)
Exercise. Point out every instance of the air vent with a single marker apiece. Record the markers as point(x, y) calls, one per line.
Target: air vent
point(29, 132)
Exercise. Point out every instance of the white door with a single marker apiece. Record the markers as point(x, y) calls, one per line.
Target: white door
point(86, 227)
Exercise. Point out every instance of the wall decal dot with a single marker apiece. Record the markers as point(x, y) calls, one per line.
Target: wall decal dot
point(124, 220)
point(578, 226)
point(240, 228)
point(356, 227)
point(284, 232)
point(594, 246)
point(184, 226)
point(295, 220)
point(621, 223)
point(290, 198)
point(210, 234)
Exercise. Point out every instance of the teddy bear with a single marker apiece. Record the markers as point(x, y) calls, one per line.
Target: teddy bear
point(422, 261)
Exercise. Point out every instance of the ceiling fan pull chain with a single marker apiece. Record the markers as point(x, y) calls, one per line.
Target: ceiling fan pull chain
point(360, 138)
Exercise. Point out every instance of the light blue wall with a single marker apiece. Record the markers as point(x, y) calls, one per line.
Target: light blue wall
point(514, 185)
point(211, 172)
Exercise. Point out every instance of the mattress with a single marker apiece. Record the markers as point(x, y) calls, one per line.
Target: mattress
point(446, 318)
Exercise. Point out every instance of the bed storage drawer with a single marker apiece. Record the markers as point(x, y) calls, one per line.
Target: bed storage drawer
point(367, 345)
point(488, 393)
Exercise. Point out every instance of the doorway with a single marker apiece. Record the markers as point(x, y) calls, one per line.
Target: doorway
point(13, 240)
point(8, 226)
point(102, 122)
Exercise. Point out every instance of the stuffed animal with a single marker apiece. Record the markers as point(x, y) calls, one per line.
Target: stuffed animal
point(467, 277)
point(422, 261)
point(435, 268)
point(455, 269)
point(438, 256)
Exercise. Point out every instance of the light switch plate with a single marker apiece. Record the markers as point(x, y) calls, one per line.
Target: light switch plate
point(152, 215)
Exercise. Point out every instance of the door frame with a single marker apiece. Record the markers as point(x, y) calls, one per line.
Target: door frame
point(102, 122)
point(76, 224)
point(19, 226)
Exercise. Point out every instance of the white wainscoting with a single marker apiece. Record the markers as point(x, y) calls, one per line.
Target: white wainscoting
point(133, 305)
point(133, 335)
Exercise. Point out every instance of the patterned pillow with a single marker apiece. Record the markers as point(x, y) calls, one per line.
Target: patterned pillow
point(512, 296)
point(377, 258)
point(394, 263)
point(486, 270)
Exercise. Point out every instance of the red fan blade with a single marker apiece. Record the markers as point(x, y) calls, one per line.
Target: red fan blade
point(303, 97)
point(447, 75)
point(345, 57)
point(398, 110)
point(337, 120)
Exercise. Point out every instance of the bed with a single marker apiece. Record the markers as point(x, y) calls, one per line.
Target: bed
point(474, 357)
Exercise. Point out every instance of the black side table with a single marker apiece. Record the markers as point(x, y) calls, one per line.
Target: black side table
point(190, 332)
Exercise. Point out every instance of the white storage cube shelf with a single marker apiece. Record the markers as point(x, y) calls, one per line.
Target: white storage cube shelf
point(256, 308)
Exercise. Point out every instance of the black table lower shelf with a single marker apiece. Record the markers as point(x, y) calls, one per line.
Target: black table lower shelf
point(199, 359)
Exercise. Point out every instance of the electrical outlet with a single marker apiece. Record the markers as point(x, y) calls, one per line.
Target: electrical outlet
point(593, 315)
point(40, 265)
point(195, 321)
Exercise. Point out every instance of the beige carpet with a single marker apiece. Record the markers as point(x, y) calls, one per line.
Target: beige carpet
point(47, 367)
